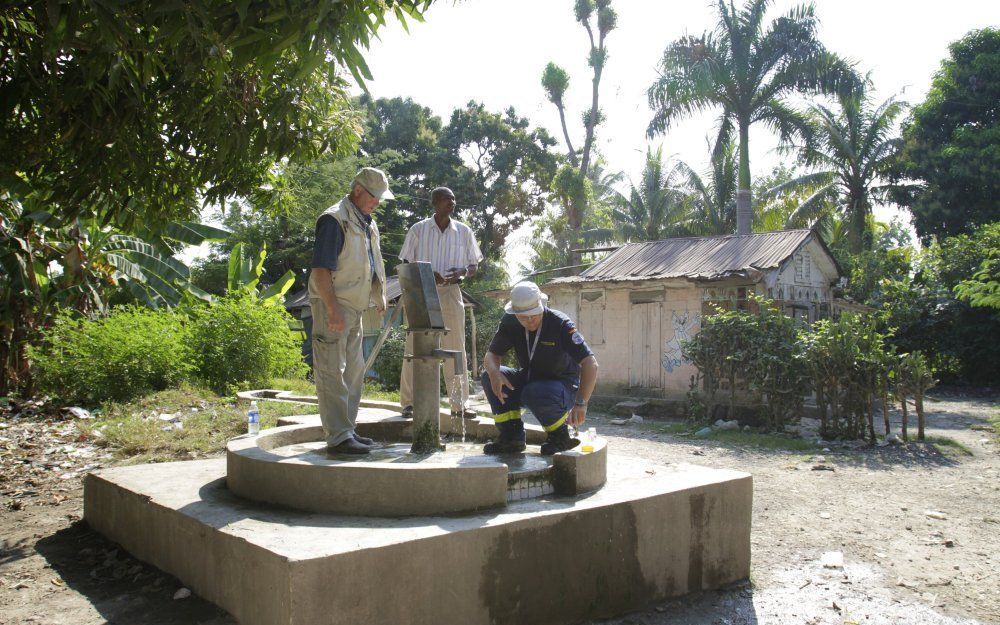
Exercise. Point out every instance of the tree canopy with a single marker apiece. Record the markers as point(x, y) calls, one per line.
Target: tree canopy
point(135, 110)
point(951, 142)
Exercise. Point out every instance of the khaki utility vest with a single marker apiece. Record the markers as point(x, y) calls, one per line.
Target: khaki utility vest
point(356, 287)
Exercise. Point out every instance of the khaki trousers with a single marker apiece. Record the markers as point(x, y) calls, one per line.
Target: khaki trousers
point(454, 319)
point(339, 370)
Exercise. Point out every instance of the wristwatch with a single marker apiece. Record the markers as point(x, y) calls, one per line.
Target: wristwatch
point(581, 402)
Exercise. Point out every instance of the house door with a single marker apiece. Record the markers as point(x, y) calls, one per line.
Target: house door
point(644, 337)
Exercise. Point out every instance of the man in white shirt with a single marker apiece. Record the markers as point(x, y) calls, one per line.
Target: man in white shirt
point(451, 249)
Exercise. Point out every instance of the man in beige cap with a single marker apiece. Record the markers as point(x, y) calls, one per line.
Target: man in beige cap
point(347, 277)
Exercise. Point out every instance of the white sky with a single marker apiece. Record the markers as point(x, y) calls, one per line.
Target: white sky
point(493, 51)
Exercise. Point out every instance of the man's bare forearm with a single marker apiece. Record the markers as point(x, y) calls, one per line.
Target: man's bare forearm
point(327, 292)
point(588, 378)
point(491, 363)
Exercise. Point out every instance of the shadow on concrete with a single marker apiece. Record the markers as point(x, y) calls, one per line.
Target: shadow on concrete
point(122, 589)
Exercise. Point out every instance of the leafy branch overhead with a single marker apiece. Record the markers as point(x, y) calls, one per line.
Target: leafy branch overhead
point(136, 110)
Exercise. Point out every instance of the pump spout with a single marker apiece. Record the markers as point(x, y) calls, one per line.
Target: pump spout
point(454, 354)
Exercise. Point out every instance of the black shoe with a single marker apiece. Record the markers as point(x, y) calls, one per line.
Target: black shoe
point(558, 441)
point(407, 412)
point(349, 446)
point(465, 413)
point(503, 447)
point(364, 440)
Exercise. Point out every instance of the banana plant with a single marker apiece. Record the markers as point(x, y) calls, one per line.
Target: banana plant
point(245, 272)
point(80, 263)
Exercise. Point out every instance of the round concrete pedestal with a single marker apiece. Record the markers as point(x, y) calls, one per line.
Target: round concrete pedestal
point(290, 466)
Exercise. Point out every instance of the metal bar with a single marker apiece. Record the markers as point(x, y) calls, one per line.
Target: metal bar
point(382, 336)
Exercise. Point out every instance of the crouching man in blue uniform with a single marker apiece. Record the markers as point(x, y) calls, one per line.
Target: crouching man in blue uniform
point(555, 377)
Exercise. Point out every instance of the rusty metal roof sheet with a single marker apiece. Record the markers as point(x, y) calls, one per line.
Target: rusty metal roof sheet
point(695, 258)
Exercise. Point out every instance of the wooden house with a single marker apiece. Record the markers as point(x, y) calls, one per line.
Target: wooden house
point(636, 305)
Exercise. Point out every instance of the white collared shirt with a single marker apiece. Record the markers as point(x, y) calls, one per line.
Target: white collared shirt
point(456, 247)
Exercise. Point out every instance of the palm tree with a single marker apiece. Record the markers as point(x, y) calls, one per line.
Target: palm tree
point(856, 146)
point(785, 201)
point(713, 195)
point(654, 210)
point(747, 67)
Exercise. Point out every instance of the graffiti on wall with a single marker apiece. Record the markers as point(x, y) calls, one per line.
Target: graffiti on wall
point(684, 324)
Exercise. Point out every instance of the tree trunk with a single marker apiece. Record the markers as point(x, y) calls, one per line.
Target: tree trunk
point(905, 433)
point(885, 404)
point(871, 419)
point(918, 398)
point(571, 153)
point(744, 212)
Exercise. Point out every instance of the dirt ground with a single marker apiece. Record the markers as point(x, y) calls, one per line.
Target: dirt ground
point(919, 531)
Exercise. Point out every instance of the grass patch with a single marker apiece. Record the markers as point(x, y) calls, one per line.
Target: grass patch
point(300, 386)
point(307, 387)
point(133, 430)
point(946, 445)
point(776, 442)
point(374, 391)
point(995, 422)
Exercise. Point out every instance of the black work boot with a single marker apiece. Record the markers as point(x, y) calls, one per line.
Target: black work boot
point(557, 441)
point(503, 446)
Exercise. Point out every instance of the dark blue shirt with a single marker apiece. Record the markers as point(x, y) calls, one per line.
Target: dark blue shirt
point(330, 241)
point(560, 348)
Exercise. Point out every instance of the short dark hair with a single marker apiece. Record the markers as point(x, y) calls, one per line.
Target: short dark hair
point(440, 192)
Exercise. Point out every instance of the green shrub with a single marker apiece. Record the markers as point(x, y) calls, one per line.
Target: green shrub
point(130, 352)
point(752, 355)
point(239, 341)
point(847, 360)
point(389, 363)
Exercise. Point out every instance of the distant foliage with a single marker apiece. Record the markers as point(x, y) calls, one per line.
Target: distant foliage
point(237, 341)
point(950, 143)
point(926, 316)
point(130, 352)
point(389, 363)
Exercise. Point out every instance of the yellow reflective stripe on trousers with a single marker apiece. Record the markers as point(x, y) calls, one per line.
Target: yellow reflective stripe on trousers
point(510, 415)
point(558, 424)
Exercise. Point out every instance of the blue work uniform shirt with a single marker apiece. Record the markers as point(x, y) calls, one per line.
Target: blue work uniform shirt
point(560, 348)
point(330, 240)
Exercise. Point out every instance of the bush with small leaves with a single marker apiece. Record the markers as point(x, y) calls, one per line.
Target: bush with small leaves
point(238, 341)
point(130, 352)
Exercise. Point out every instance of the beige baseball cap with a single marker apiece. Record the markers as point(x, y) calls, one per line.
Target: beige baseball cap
point(375, 182)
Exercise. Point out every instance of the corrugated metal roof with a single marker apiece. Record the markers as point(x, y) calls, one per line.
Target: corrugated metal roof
point(695, 258)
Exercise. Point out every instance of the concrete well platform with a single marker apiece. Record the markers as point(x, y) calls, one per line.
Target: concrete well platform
point(650, 533)
point(290, 466)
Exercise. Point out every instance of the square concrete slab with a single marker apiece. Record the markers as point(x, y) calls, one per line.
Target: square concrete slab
point(652, 532)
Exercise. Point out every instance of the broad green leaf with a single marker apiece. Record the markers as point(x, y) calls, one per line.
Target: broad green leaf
point(193, 233)
point(275, 293)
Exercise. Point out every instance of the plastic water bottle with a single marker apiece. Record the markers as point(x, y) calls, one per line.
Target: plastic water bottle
point(589, 439)
point(253, 419)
